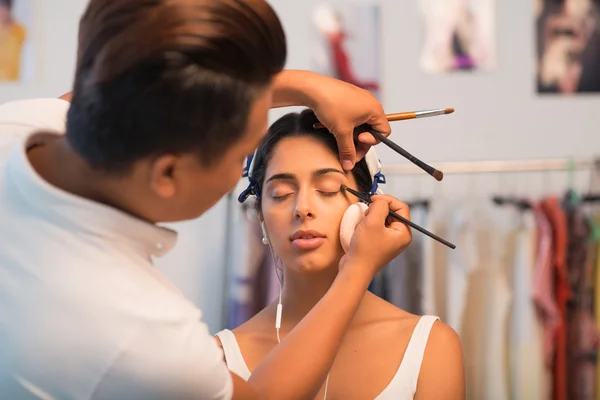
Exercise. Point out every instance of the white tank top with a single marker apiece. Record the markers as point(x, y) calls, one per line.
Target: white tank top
point(403, 384)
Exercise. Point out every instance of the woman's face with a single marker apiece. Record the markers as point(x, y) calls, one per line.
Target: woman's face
point(302, 205)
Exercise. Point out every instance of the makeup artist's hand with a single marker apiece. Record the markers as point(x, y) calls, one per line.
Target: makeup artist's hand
point(340, 107)
point(378, 238)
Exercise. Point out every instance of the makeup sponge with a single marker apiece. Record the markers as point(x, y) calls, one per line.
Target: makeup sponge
point(352, 217)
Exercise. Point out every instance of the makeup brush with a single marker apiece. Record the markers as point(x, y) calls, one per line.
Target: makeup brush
point(408, 115)
point(437, 174)
point(367, 199)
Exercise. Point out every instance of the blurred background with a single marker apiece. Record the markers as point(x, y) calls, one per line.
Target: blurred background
point(522, 187)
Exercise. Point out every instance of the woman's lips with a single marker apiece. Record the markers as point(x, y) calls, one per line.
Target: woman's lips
point(308, 244)
point(307, 240)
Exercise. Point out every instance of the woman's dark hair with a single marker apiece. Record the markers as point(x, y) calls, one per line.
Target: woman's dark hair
point(7, 3)
point(300, 125)
point(169, 76)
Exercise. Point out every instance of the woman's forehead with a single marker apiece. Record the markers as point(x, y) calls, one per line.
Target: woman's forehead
point(301, 152)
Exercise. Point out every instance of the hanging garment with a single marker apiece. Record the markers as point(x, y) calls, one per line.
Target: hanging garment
point(485, 318)
point(249, 253)
point(582, 336)
point(543, 298)
point(404, 274)
point(526, 351)
point(427, 279)
point(596, 275)
point(558, 221)
point(458, 272)
point(543, 287)
point(433, 287)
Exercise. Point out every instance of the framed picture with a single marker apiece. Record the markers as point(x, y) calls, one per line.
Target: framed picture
point(459, 35)
point(15, 49)
point(568, 46)
point(346, 43)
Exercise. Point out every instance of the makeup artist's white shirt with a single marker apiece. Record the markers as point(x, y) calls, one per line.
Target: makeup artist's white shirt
point(83, 312)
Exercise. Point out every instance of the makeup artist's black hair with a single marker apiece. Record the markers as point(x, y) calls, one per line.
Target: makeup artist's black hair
point(169, 77)
point(7, 3)
point(300, 125)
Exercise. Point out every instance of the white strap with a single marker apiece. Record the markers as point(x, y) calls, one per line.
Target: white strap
point(413, 356)
point(233, 354)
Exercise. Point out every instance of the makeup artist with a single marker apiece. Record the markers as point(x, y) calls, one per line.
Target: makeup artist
point(169, 98)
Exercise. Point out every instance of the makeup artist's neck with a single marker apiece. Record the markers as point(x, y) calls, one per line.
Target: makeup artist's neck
point(302, 291)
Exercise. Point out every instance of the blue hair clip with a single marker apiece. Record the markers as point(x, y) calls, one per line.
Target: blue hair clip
point(252, 188)
point(377, 179)
point(246, 171)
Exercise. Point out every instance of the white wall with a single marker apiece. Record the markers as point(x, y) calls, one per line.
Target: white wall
point(498, 113)
point(498, 116)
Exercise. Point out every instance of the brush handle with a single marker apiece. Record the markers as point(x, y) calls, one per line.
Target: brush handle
point(367, 199)
point(427, 168)
point(401, 116)
point(422, 230)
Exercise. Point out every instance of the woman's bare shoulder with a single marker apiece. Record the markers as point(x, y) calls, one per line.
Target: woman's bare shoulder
point(379, 311)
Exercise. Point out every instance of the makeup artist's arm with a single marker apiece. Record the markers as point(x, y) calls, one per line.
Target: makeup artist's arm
point(339, 106)
point(296, 369)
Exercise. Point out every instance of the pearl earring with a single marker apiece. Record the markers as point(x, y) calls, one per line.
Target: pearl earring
point(265, 239)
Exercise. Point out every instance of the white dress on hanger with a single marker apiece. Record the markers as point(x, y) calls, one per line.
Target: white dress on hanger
point(527, 370)
point(485, 323)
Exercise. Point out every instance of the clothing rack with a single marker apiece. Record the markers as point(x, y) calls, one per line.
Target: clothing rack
point(468, 167)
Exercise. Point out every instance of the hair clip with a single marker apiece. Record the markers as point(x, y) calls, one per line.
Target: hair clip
point(375, 168)
point(379, 178)
point(252, 188)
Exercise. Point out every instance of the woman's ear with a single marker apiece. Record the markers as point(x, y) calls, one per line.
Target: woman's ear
point(258, 212)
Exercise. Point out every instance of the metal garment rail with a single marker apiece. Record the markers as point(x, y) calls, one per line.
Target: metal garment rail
point(469, 167)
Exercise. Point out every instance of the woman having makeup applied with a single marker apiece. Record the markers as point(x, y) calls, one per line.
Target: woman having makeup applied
point(386, 353)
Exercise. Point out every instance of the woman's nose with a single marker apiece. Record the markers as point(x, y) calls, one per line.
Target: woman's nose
point(303, 206)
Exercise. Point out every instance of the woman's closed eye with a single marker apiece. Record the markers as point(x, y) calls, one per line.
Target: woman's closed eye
point(279, 196)
point(328, 187)
point(327, 193)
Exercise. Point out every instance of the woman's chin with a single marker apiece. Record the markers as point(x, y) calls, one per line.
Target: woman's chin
point(315, 263)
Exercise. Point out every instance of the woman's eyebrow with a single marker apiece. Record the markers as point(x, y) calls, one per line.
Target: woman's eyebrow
point(326, 171)
point(281, 177)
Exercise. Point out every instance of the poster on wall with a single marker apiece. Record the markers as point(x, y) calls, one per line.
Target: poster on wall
point(459, 35)
point(15, 59)
point(346, 40)
point(568, 46)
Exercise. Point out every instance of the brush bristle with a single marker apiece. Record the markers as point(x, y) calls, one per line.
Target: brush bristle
point(438, 175)
point(448, 110)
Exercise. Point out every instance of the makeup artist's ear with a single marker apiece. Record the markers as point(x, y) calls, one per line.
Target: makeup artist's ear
point(66, 97)
point(162, 175)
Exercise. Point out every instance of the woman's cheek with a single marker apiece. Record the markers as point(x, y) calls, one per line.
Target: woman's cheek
point(276, 229)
